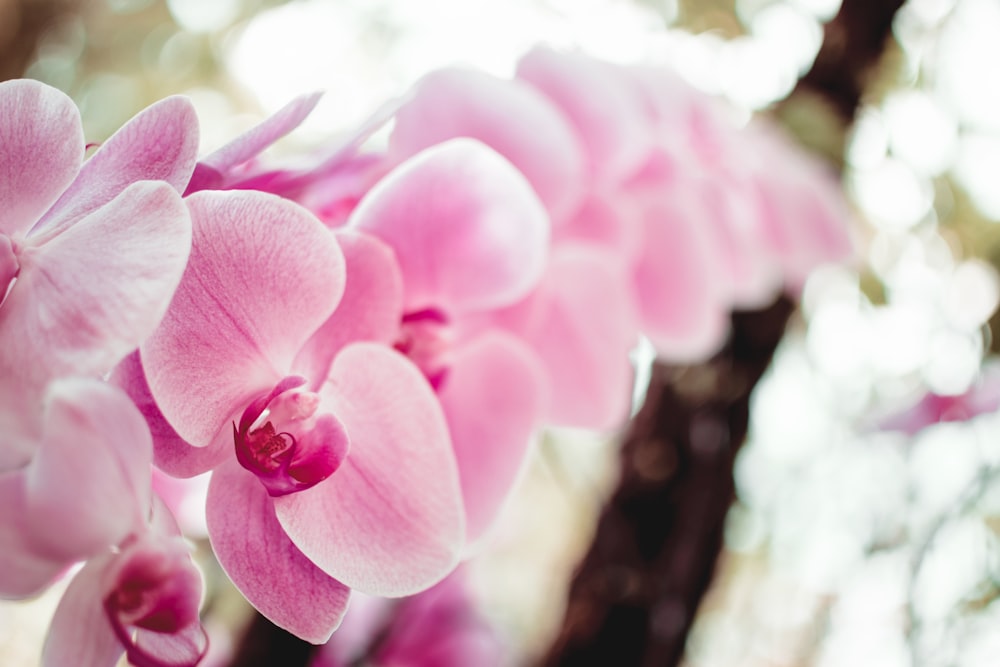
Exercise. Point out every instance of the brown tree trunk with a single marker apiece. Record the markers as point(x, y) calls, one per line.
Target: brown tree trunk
point(652, 558)
point(22, 24)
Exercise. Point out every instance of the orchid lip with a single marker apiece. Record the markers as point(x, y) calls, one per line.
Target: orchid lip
point(426, 337)
point(285, 440)
point(154, 587)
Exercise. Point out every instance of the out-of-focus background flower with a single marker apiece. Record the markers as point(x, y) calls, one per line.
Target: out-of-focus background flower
point(851, 543)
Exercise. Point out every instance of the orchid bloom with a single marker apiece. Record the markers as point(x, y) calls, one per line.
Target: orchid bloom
point(440, 627)
point(84, 489)
point(141, 600)
point(90, 252)
point(641, 202)
point(85, 495)
point(470, 238)
point(578, 320)
point(332, 470)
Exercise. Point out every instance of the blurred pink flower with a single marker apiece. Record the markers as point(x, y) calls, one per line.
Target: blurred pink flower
point(86, 487)
point(440, 627)
point(141, 600)
point(85, 495)
point(578, 318)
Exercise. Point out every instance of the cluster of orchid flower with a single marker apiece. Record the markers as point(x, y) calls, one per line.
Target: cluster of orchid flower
point(360, 351)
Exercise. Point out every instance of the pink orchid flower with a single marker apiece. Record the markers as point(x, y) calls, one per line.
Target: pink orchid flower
point(440, 627)
point(141, 600)
point(83, 490)
point(85, 495)
point(584, 357)
point(90, 252)
point(647, 206)
point(707, 216)
point(470, 238)
point(332, 464)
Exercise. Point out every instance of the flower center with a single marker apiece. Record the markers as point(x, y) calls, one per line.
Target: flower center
point(286, 441)
point(153, 586)
point(426, 337)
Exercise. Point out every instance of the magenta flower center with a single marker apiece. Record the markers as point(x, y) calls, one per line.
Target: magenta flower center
point(153, 586)
point(426, 337)
point(286, 440)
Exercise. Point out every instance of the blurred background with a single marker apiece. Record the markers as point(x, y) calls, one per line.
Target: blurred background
point(866, 527)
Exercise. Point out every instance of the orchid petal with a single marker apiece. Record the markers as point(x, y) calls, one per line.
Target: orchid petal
point(371, 308)
point(604, 219)
point(90, 296)
point(493, 398)
point(42, 141)
point(151, 591)
point(159, 144)
point(251, 143)
point(213, 170)
point(171, 453)
point(612, 125)
point(23, 572)
point(262, 562)
point(582, 324)
point(80, 633)
point(680, 306)
point(89, 486)
point(389, 521)
point(507, 115)
point(751, 276)
point(467, 229)
point(182, 648)
point(264, 274)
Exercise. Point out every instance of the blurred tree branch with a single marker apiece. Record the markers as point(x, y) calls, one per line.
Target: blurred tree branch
point(22, 25)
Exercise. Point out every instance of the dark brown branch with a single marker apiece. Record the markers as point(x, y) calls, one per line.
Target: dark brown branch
point(652, 558)
point(853, 43)
point(22, 25)
point(264, 644)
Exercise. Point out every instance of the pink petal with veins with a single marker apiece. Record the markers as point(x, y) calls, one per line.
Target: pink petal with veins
point(273, 575)
point(467, 229)
point(264, 274)
point(171, 453)
point(389, 521)
point(159, 144)
point(214, 170)
point(370, 309)
point(43, 149)
point(88, 297)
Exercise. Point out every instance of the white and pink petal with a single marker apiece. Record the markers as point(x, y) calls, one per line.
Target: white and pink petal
point(390, 520)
